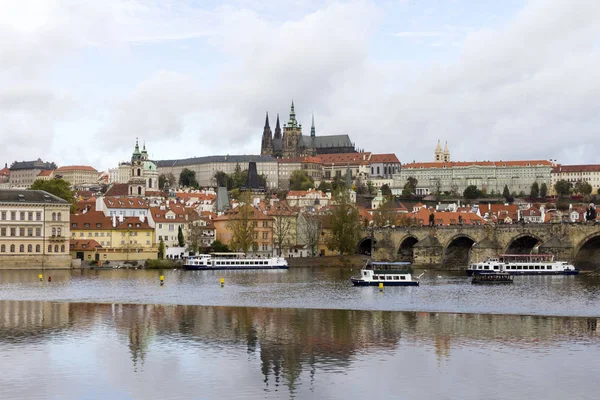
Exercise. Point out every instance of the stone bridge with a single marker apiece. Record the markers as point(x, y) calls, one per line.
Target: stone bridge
point(456, 246)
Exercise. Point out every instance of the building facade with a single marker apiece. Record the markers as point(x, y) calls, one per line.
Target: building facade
point(292, 143)
point(24, 173)
point(77, 175)
point(491, 176)
point(589, 173)
point(144, 173)
point(34, 230)
point(262, 229)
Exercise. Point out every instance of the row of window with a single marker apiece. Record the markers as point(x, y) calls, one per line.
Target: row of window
point(30, 231)
point(389, 277)
point(12, 248)
point(265, 235)
point(27, 216)
point(82, 234)
point(265, 224)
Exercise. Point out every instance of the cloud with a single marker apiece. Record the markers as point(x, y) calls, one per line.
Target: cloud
point(413, 34)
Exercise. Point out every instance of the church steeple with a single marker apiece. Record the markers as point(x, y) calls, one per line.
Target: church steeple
point(277, 129)
point(439, 154)
point(136, 151)
point(266, 147)
point(292, 123)
point(312, 127)
point(446, 153)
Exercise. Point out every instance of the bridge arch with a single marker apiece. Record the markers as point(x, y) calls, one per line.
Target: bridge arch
point(458, 250)
point(523, 243)
point(587, 253)
point(406, 249)
point(365, 245)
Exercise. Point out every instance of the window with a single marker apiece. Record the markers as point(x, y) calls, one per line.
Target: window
point(22, 248)
point(255, 224)
point(265, 224)
point(21, 231)
point(49, 248)
point(3, 232)
point(96, 234)
point(37, 248)
point(22, 215)
point(56, 248)
point(265, 235)
point(73, 225)
point(13, 231)
point(159, 226)
point(13, 215)
point(3, 215)
point(12, 248)
point(29, 231)
point(62, 248)
point(38, 216)
point(29, 248)
point(53, 231)
point(59, 216)
point(3, 249)
point(53, 216)
point(80, 234)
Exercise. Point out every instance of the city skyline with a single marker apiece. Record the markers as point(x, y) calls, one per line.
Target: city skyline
point(498, 83)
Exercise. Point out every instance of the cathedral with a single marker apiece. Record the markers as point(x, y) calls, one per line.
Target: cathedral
point(292, 143)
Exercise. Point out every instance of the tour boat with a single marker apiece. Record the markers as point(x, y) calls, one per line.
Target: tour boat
point(492, 277)
point(387, 273)
point(524, 264)
point(233, 261)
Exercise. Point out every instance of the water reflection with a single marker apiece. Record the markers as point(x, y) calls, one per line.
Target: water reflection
point(290, 348)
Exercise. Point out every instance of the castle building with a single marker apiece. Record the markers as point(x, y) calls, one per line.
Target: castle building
point(292, 143)
point(442, 156)
point(144, 173)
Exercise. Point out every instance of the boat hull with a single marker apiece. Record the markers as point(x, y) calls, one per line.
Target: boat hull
point(225, 267)
point(534, 272)
point(360, 282)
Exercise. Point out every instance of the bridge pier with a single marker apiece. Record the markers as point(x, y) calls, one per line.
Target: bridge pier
point(484, 249)
point(560, 247)
point(428, 252)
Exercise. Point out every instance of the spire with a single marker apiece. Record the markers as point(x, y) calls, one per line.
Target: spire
point(292, 122)
point(267, 121)
point(439, 146)
point(312, 127)
point(277, 129)
point(267, 139)
point(446, 148)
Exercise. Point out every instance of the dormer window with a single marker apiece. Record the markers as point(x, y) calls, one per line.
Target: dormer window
point(87, 225)
point(129, 225)
point(98, 225)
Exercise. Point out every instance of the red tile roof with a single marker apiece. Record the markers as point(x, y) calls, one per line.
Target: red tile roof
point(69, 168)
point(94, 220)
point(384, 158)
point(124, 202)
point(576, 168)
point(83, 244)
point(345, 158)
point(46, 172)
point(132, 223)
point(118, 189)
point(233, 214)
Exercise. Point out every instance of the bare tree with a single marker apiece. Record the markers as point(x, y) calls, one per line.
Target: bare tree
point(282, 229)
point(309, 226)
point(194, 238)
point(241, 227)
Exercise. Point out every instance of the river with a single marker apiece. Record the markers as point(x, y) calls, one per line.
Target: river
point(303, 333)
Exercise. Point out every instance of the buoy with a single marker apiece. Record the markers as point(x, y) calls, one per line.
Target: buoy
point(40, 276)
point(222, 282)
point(162, 280)
point(380, 285)
point(49, 279)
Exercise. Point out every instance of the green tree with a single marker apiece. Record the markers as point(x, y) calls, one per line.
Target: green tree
point(506, 192)
point(58, 187)
point(324, 186)
point(385, 190)
point(163, 179)
point(370, 187)
point(543, 190)
point(535, 190)
point(218, 247)
point(240, 225)
point(180, 237)
point(187, 178)
point(345, 225)
point(562, 205)
point(582, 188)
point(301, 181)
point(471, 192)
point(161, 249)
point(221, 179)
point(563, 188)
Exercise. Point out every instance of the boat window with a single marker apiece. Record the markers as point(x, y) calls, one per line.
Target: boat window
point(396, 278)
point(495, 267)
point(537, 267)
point(364, 273)
point(548, 266)
point(486, 267)
point(402, 277)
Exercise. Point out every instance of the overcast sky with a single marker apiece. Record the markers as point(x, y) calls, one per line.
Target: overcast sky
point(499, 80)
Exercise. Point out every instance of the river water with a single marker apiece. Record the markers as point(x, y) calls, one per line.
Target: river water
point(302, 333)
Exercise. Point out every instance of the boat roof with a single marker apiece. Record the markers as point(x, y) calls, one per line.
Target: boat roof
point(526, 255)
point(389, 263)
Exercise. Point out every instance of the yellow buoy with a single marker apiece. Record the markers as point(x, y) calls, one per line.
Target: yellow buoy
point(162, 280)
point(222, 280)
point(41, 277)
point(380, 285)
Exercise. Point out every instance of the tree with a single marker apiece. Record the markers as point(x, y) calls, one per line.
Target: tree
point(582, 188)
point(370, 187)
point(543, 190)
point(563, 188)
point(301, 181)
point(535, 190)
point(437, 188)
point(221, 179)
point(454, 189)
point(309, 227)
point(163, 179)
point(283, 221)
point(385, 190)
point(180, 237)
point(161, 249)
point(193, 238)
point(562, 205)
point(345, 225)
point(471, 192)
point(240, 225)
point(385, 214)
point(506, 192)
point(324, 186)
point(58, 187)
point(187, 178)
point(218, 247)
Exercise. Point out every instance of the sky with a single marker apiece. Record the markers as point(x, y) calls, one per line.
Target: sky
point(509, 80)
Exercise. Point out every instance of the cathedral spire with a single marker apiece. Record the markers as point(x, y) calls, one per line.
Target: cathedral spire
point(277, 129)
point(313, 132)
point(292, 122)
point(267, 121)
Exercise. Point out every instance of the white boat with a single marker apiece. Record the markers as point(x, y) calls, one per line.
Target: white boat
point(233, 261)
point(524, 264)
point(387, 273)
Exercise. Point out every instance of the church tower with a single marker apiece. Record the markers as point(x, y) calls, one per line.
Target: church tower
point(266, 148)
point(137, 182)
point(446, 153)
point(439, 154)
point(292, 132)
